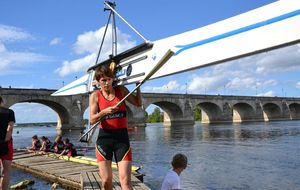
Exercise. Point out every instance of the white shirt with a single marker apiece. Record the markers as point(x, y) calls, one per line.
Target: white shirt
point(171, 181)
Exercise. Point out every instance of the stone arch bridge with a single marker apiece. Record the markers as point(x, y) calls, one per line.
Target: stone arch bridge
point(178, 108)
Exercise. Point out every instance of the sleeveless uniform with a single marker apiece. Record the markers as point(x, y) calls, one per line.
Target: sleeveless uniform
point(6, 116)
point(70, 150)
point(36, 144)
point(58, 147)
point(113, 136)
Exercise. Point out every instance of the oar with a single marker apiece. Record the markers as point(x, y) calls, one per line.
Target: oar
point(161, 62)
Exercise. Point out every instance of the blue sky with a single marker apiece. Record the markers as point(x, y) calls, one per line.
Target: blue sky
point(45, 44)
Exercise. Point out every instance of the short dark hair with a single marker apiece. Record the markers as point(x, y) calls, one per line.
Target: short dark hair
point(104, 71)
point(179, 161)
point(35, 137)
point(67, 140)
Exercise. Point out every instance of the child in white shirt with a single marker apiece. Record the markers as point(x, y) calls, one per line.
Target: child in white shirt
point(172, 180)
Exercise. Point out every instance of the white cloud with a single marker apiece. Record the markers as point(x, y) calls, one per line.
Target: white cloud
point(88, 43)
point(250, 83)
point(203, 84)
point(15, 60)
point(269, 94)
point(172, 86)
point(278, 61)
point(10, 33)
point(2, 47)
point(56, 41)
point(12, 59)
point(241, 83)
point(298, 85)
point(77, 65)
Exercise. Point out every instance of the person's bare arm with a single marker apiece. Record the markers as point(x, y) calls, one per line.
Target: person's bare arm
point(9, 131)
point(95, 115)
point(43, 147)
point(134, 99)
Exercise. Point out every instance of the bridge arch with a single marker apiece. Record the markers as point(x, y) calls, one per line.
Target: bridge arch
point(294, 111)
point(271, 111)
point(210, 112)
point(242, 112)
point(172, 112)
point(63, 115)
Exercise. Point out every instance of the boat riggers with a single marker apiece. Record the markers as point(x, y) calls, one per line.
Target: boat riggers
point(85, 137)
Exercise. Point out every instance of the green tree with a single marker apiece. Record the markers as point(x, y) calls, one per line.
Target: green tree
point(146, 116)
point(197, 113)
point(155, 117)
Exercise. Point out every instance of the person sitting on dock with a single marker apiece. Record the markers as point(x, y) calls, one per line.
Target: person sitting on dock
point(58, 145)
point(69, 149)
point(36, 143)
point(172, 180)
point(46, 144)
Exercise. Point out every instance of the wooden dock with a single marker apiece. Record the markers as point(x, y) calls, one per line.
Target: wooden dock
point(67, 174)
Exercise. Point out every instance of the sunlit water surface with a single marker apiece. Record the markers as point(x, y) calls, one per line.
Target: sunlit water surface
point(224, 156)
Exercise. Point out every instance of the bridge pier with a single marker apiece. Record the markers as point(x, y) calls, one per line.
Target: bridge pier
point(135, 116)
point(180, 121)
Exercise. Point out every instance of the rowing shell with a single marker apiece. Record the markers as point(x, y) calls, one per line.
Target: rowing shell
point(266, 28)
point(86, 160)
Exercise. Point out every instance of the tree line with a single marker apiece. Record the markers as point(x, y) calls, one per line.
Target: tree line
point(157, 116)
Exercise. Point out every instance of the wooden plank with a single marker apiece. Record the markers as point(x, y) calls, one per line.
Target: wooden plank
point(85, 181)
point(52, 166)
point(93, 181)
point(76, 169)
point(16, 153)
point(116, 182)
point(22, 156)
point(90, 180)
point(30, 161)
point(97, 178)
point(75, 177)
point(40, 162)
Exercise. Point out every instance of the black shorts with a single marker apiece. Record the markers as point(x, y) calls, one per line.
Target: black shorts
point(113, 143)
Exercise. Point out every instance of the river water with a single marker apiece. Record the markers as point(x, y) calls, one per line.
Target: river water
point(224, 156)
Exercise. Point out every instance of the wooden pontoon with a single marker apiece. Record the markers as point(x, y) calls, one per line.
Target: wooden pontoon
point(69, 175)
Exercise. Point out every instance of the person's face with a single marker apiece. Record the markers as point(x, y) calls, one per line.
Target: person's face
point(105, 82)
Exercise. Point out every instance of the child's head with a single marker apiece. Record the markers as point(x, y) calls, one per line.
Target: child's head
point(58, 138)
point(66, 141)
point(34, 137)
point(179, 161)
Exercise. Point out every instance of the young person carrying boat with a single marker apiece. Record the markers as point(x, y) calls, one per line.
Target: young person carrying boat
point(7, 120)
point(113, 137)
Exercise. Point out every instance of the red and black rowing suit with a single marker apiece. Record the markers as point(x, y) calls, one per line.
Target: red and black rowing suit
point(113, 136)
